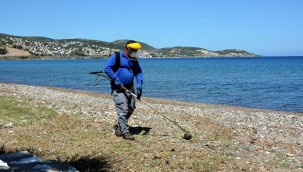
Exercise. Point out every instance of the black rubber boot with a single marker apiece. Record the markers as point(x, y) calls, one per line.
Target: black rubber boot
point(117, 129)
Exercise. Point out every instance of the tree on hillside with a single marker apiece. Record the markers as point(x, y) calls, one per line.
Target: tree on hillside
point(2, 47)
point(3, 50)
point(77, 52)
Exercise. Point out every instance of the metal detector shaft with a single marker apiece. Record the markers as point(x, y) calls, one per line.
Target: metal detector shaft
point(174, 122)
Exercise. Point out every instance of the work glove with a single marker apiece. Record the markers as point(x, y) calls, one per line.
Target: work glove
point(139, 93)
point(139, 90)
point(118, 83)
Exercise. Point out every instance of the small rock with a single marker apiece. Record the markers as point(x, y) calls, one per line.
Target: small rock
point(157, 157)
point(9, 125)
point(165, 134)
point(255, 130)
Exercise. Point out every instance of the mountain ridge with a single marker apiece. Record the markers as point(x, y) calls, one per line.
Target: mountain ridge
point(43, 46)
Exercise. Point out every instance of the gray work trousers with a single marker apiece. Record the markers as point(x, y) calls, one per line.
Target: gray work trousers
point(125, 105)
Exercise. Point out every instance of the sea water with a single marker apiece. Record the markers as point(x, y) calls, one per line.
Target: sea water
point(274, 83)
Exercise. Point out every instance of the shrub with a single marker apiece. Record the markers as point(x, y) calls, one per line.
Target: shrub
point(3, 51)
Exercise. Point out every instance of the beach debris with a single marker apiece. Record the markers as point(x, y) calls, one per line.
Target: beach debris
point(24, 161)
point(3, 165)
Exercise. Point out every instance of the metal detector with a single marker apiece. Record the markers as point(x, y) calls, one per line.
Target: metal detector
point(186, 135)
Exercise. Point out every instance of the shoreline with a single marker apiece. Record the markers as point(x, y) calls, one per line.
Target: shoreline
point(250, 135)
point(155, 100)
point(167, 101)
point(229, 115)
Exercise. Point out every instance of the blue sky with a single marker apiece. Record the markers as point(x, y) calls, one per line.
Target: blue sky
point(265, 27)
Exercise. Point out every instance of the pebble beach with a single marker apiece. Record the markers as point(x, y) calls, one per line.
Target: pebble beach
point(260, 140)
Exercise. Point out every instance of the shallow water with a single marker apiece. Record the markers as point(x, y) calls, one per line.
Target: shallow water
point(274, 83)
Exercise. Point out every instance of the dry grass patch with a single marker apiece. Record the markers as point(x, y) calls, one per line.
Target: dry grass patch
point(92, 146)
point(50, 136)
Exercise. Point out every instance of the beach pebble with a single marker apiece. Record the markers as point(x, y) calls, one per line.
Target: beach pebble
point(9, 125)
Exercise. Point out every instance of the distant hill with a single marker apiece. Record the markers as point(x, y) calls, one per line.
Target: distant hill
point(181, 51)
point(202, 52)
point(42, 46)
point(92, 42)
point(121, 43)
point(31, 38)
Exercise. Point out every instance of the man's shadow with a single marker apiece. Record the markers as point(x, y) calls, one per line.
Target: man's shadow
point(139, 130)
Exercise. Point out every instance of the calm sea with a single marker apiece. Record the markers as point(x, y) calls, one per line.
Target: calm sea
point(274, 83)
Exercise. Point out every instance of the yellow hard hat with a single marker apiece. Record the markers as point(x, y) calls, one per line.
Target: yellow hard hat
point(134, 45)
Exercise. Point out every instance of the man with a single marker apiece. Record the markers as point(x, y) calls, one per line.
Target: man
point(122, 77)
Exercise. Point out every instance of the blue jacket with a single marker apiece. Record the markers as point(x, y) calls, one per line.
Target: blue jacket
point(127, 71)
